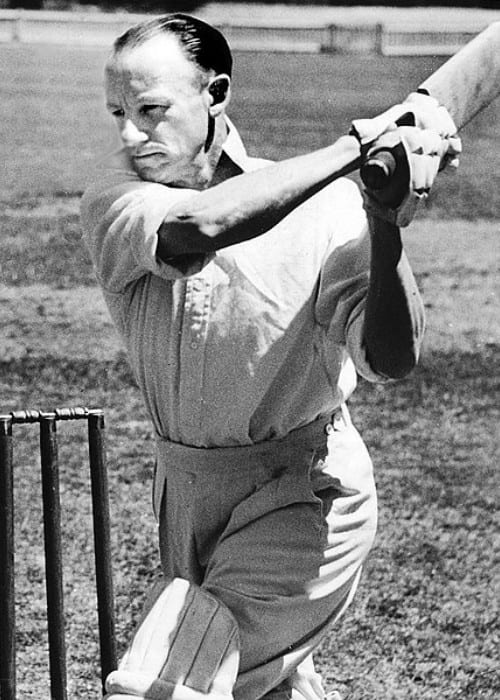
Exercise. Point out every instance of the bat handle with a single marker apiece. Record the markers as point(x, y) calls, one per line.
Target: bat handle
point(377, 170)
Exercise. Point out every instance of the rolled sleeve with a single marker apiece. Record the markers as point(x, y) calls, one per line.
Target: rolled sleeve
point(121, 223)
point(343, 287)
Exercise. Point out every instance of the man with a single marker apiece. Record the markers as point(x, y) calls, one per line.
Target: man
point(248, 294)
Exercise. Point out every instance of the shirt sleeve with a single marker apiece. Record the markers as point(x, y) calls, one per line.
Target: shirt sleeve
point(121, 215)
point(343, 286)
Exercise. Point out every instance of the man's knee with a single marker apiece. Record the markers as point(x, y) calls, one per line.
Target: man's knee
point(186, 648)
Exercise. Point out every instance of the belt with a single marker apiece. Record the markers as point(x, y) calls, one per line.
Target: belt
point(188, 458)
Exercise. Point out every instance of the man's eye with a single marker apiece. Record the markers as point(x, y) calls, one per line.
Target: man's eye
point(117, 113)
point(147, 109)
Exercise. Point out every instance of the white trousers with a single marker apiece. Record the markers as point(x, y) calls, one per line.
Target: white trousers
point(278, 532)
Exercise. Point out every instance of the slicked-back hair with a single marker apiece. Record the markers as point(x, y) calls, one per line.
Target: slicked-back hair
point(202, 43)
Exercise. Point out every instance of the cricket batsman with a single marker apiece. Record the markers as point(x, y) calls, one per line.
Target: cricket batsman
point(249, 295)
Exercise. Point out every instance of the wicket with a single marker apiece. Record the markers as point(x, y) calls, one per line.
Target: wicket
point(53, 545)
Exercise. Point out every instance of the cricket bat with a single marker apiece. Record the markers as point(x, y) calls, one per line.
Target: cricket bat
point(465, 84)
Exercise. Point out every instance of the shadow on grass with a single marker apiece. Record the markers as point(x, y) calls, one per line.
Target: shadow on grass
point(49, 372)
point(44, 248)
point(459, 380)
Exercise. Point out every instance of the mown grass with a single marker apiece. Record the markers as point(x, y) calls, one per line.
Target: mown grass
point(425, 623)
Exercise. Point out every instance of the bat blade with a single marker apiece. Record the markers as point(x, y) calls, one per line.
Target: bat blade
point(465, 84)
point(469, 80)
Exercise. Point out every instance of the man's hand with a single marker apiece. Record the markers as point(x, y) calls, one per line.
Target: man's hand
point(423, 140)
point(419, 155)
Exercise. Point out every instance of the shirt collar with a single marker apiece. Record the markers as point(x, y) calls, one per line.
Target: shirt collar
point(234, 148)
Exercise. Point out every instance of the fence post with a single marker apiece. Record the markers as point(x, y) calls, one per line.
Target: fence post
point(16, 28)
point(330, 46)
point(379, 39)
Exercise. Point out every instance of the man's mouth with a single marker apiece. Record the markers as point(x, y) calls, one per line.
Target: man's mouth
point(147, 154)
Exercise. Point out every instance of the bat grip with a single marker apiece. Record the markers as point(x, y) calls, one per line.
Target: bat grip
point(377, 170)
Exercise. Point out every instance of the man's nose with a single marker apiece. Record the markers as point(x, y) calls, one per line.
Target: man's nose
point(131, 135)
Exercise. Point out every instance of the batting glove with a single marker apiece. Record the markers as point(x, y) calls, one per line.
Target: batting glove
point(422, 138)
point(419, 154)
point(419, 110)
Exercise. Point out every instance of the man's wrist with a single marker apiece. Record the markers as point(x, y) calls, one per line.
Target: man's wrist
point(381, 225)
point(386, 244)
point(380, 217)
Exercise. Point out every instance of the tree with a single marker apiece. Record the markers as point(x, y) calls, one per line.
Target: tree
point(26, 4)
point(161, 6)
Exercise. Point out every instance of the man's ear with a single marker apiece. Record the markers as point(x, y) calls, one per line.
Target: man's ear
point(219, 89)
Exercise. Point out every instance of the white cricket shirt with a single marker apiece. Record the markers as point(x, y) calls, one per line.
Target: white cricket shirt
point(249, 343)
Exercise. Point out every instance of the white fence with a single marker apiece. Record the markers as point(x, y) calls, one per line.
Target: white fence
point(99, 29)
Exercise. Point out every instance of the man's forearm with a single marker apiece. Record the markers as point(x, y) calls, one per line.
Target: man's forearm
point(394, 314)
point(248, 205)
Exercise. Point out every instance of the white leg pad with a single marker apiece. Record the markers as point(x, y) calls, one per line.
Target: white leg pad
point(185, 648)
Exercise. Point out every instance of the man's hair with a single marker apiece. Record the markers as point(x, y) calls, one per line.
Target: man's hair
point(202, 43)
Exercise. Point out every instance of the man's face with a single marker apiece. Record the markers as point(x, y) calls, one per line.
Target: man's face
point(160, 102)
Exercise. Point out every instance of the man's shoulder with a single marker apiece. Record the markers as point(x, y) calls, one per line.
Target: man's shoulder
point(117, 198)
point(345, 191)
point(113, 179)
point(108, 178)
point(338, 201)
point(113, 169)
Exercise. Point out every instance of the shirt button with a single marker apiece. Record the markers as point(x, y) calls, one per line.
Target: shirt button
point(338, 420)
point(193, 345)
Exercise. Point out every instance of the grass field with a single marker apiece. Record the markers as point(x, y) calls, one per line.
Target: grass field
point(425, 623)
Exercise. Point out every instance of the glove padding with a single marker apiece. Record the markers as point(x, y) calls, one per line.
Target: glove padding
point(185, 648)
point(422, 137)
point(419, 155)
